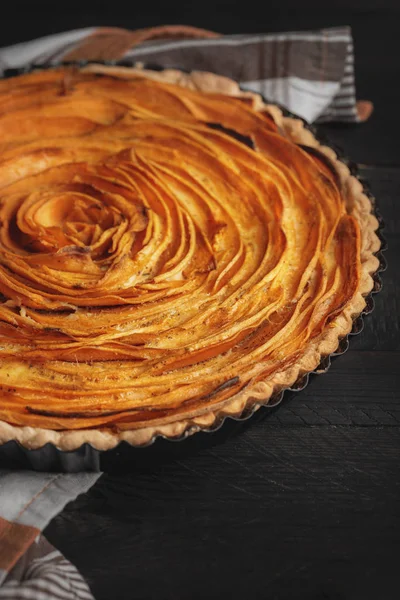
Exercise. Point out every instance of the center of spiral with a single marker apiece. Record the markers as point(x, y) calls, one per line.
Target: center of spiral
point(79, 218)
point(69, 219)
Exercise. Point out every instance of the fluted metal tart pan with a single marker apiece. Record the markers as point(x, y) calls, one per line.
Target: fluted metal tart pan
point(86, 458)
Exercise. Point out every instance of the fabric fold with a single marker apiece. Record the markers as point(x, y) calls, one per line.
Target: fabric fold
point(28, 502)
point(311, 73)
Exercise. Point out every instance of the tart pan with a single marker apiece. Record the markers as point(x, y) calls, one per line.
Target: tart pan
point(160, 450)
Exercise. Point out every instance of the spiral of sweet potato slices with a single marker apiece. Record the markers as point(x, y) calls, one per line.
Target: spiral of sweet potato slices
point(160, 249)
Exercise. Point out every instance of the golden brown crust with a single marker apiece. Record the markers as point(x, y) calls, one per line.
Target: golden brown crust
point(258, 392)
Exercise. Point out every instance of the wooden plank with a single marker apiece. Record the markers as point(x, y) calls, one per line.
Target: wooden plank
point(361, 388)
point(281, 512)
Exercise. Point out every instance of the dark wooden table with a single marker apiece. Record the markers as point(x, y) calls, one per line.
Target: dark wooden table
point(304, 501)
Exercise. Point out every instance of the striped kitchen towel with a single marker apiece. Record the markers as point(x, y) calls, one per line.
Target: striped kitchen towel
point(309, 72)
point(30, 568)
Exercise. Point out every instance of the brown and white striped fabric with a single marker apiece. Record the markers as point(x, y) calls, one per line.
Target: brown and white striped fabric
point(44, 574)
point(30, 568)
point(309, 72)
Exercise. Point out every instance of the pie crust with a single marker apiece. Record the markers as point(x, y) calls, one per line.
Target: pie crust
point(255, 393)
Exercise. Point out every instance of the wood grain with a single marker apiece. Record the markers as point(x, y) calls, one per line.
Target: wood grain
point(283, 511)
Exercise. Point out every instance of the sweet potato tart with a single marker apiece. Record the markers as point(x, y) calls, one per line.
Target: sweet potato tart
point(172, 250)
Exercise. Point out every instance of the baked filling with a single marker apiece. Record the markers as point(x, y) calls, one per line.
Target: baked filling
point(163, 249)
